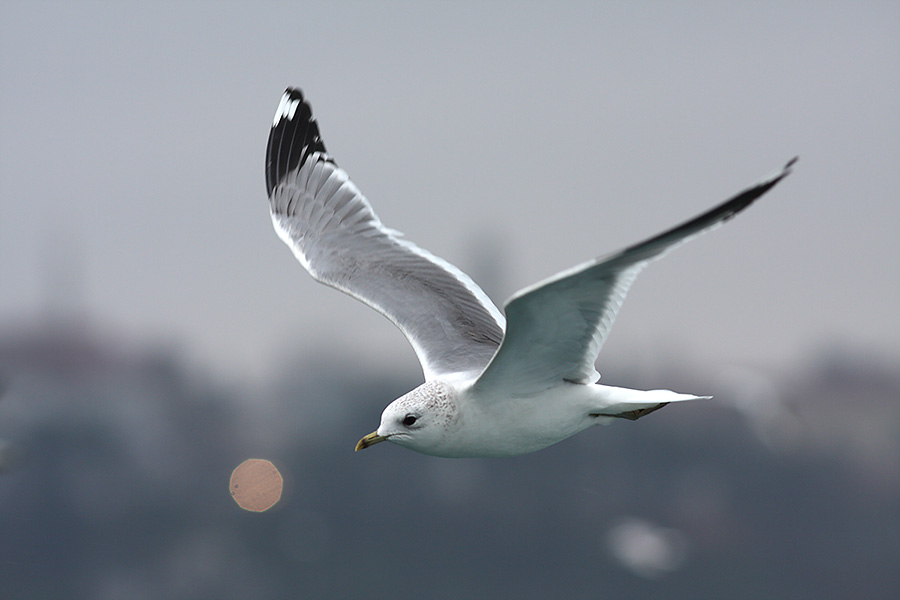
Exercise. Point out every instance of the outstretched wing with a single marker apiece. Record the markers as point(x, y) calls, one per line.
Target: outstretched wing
point(335, 234)
point(555, 328)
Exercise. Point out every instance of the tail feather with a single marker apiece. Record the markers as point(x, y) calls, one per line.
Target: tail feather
point(634, 404)
point(634, 415)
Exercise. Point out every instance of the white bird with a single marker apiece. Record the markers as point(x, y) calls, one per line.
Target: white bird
point(493, 386)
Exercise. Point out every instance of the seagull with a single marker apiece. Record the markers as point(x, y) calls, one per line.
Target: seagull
point(494, 386)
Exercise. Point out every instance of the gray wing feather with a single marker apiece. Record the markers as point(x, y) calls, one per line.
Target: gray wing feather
point(555, 328)
point(333, 231)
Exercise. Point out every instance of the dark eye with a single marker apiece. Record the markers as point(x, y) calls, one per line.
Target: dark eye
point(409, 420)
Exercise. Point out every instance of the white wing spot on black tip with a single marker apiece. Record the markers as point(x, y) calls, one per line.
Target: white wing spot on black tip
point(286, 108)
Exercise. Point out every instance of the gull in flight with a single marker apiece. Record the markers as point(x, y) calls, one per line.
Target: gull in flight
point(494, 386)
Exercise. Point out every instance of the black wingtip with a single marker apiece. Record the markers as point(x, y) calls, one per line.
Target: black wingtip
point(744, 199)
point(293, 138)
point(767, 184)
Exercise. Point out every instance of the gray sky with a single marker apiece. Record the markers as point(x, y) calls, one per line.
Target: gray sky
point(132, 142)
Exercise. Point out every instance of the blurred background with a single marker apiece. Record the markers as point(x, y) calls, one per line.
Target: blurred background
point(155, 333)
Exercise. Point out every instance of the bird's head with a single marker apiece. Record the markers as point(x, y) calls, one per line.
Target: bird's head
point(419, 420)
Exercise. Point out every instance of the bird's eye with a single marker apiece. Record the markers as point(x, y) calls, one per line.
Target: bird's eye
point(409, 420)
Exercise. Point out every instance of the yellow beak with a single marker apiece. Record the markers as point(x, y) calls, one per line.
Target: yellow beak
point(369, 440)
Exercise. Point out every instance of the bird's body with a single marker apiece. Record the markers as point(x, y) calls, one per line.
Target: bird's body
point(498, 424)
point(494, 386)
